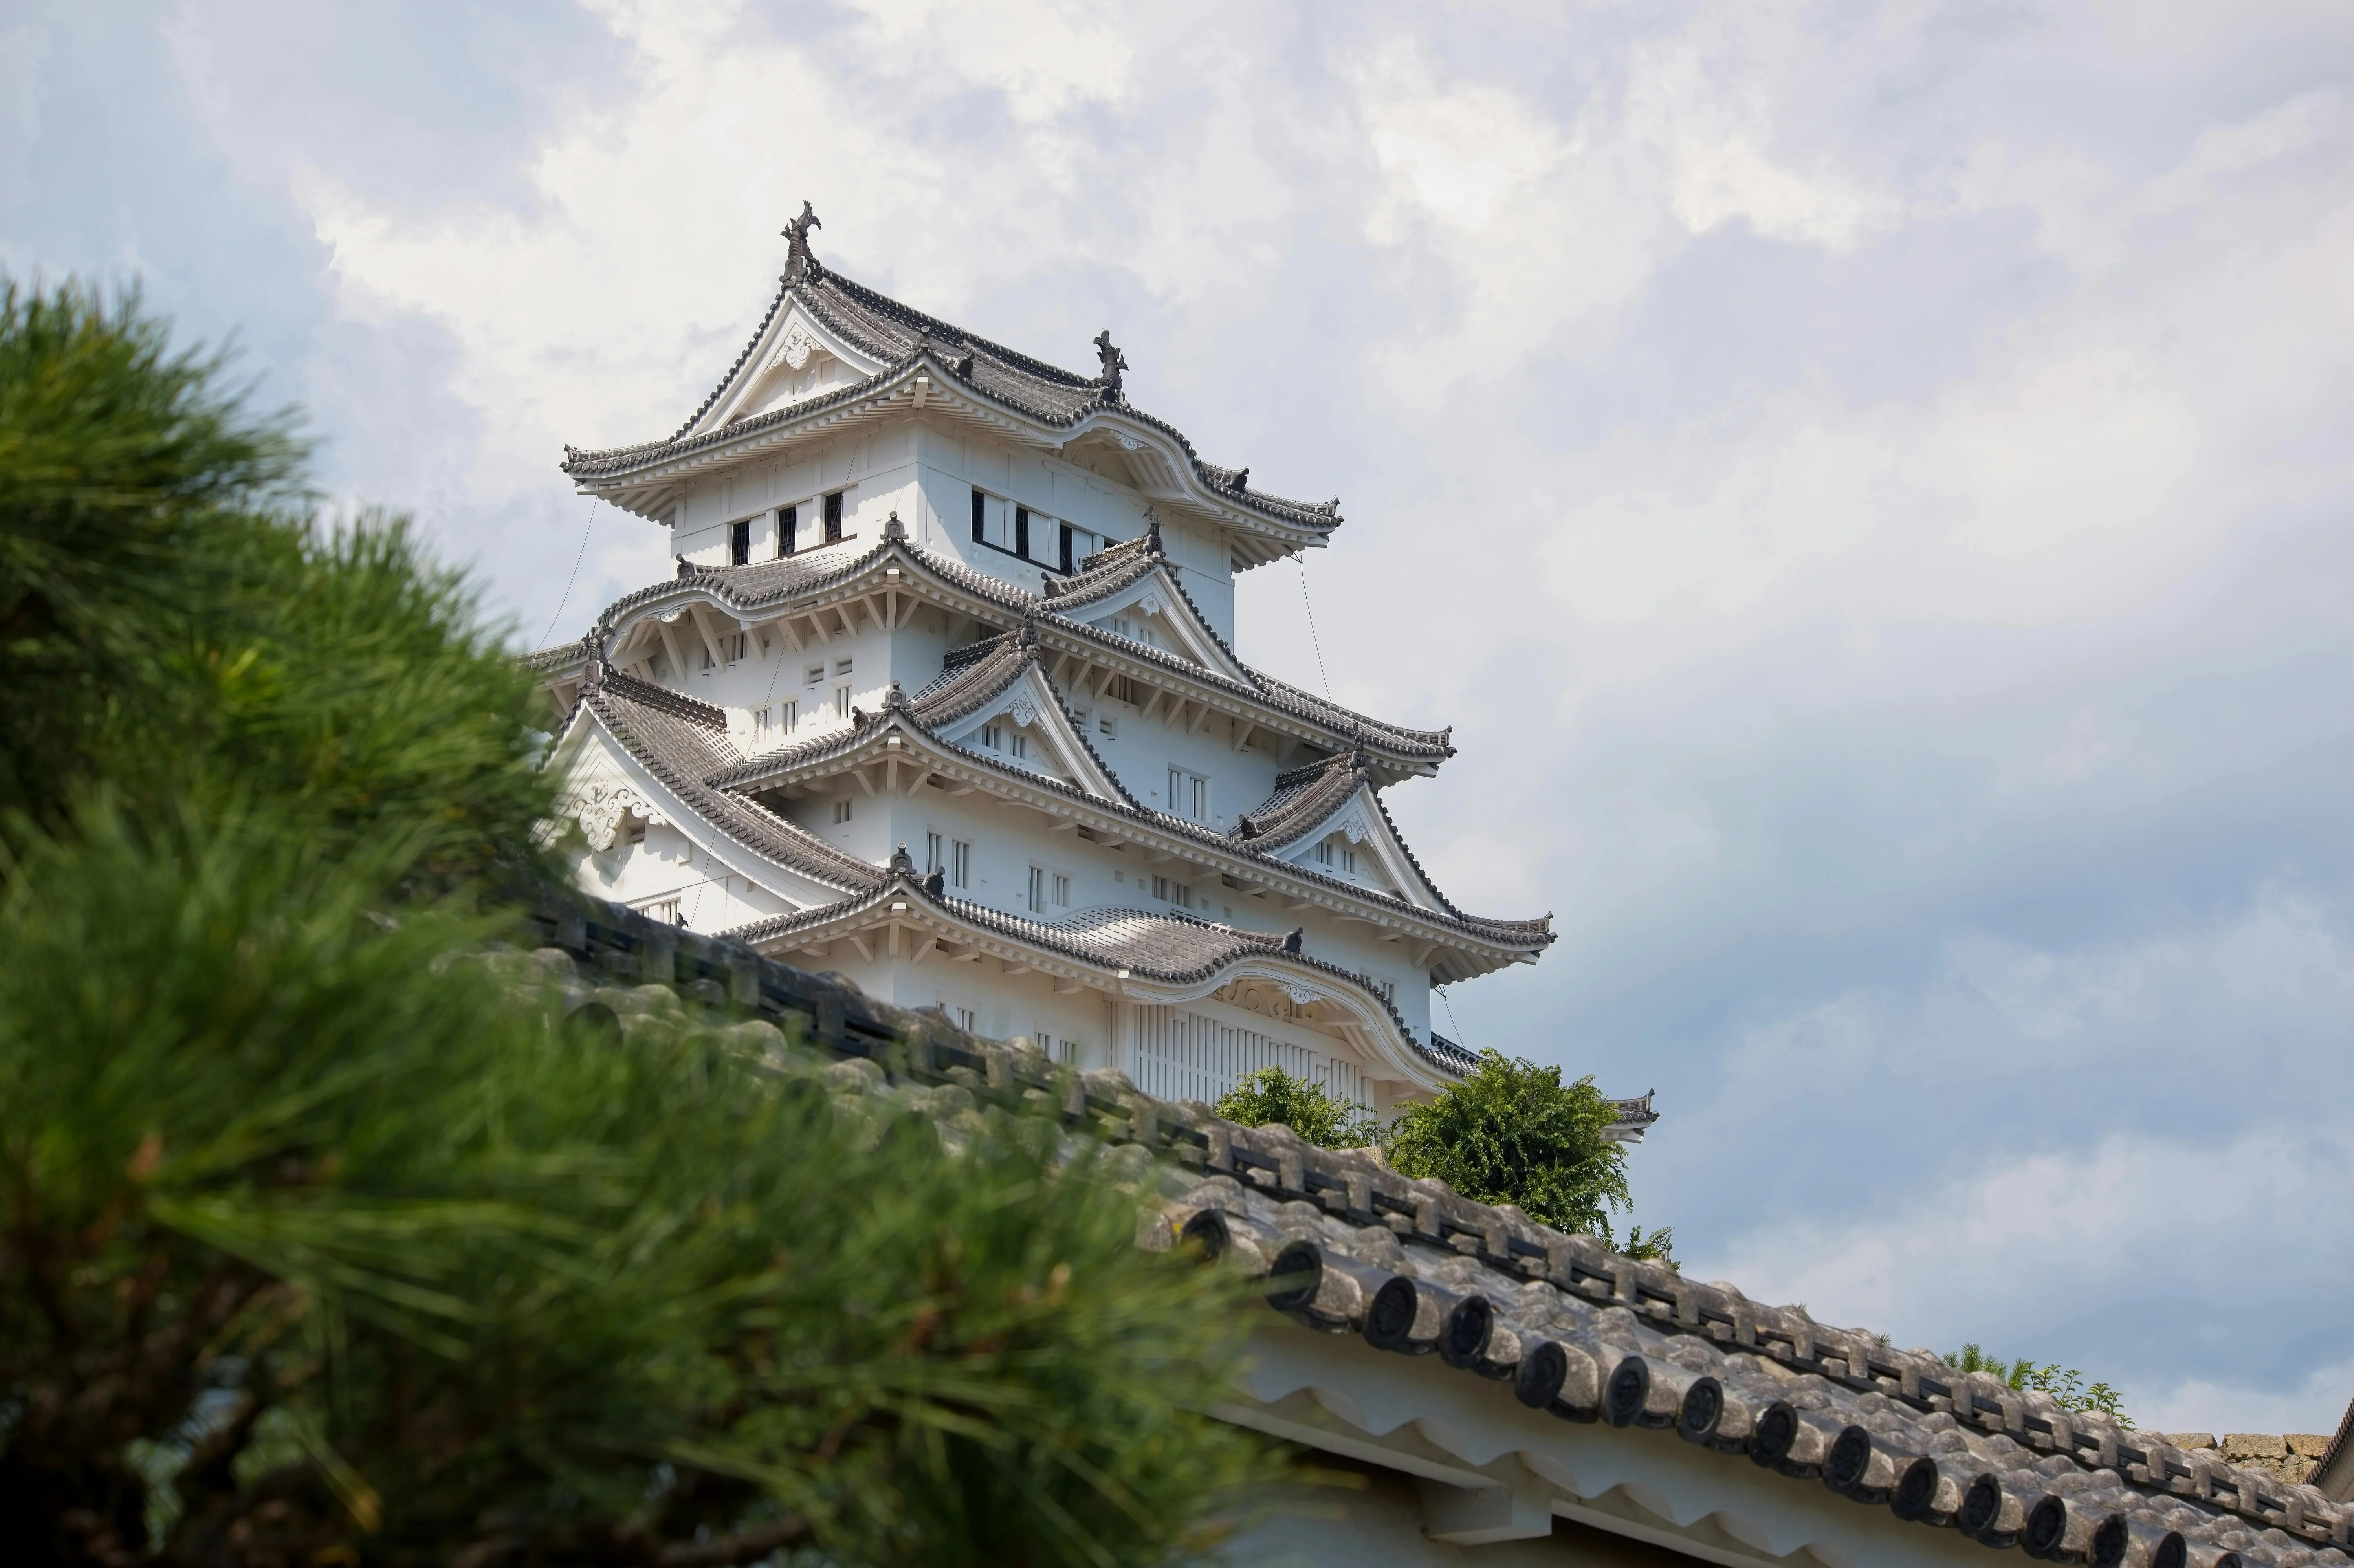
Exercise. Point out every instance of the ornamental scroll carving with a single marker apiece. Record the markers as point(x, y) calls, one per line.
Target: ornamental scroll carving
point(1302, 995)
point(1150, 604)
point(1023, 713)
point(601, 809)
point(797, 345)
point(1354, 829)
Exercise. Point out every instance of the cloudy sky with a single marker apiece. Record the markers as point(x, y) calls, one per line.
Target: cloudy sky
point(1869, 486)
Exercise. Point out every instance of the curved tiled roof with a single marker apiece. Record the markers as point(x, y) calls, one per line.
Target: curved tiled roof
point(1281, 694)
point(1562, 1325)
point(980, 672)
point(766, 584)
point(1166, 947)
point(684, 743)
point(1303, 796)
point(898, 334)
point(1567, 1328)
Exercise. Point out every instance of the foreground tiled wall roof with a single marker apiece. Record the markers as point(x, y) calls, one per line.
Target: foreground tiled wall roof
point(1557, 1321)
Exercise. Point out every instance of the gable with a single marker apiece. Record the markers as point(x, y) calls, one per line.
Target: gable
point(1025, 726)
point(797, 358)
point(1151, 611)
point(1356, 843)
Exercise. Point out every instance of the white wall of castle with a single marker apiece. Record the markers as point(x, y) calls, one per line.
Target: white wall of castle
point(926, 472)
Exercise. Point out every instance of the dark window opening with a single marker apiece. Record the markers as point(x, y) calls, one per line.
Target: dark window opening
point(1022, 531)
point(833, 517)
point(787, 518)
point(739, 544)
point(1066, 549)
point(980, 518)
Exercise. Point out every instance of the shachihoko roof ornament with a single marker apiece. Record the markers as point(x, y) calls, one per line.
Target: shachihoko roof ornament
point(1114, 363)
point(799, 262)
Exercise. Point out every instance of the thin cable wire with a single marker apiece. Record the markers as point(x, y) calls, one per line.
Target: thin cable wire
point(1448, 1002)
point(579, 555)
point(1312, 640)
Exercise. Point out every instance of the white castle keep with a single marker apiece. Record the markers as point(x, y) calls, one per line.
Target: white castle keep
point(944, 698)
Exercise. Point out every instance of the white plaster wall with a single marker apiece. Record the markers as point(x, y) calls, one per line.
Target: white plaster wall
point(874, 470)
point(924, 468)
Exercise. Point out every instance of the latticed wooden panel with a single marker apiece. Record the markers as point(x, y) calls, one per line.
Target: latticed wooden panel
point(1185, 1055)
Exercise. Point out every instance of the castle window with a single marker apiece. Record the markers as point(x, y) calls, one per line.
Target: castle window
point(841, 702)
point(933, 845)
point(992, 736)
point(763, 719)
point(964, 1019)
point(788, 518)
point(959, 864)
point(1037, 890)
point(735, 646)
point(1021, 746)
point(842, 811)
point(739, 543)
point(1062, 891)
point(1108, 728)
point(1022, 531)
point(665, 910)
point(1181, 893)
point(816, 676)
point(1189, 795)
point(1066, 549)
point(833, 518)
point(980, 518)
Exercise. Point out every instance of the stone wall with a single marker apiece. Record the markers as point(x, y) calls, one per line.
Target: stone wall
point(2291, 1458)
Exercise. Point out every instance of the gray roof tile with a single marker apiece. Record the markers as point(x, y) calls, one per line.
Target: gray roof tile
point(684, 743)
point(1639, 1345)
point(898, 334)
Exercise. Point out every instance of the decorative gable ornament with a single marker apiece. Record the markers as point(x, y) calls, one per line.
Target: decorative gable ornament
point(797, 345)
point(600, 809)
point(1302, 995)
point(1023, 713)
point(1354, 829)
point(1150, 604)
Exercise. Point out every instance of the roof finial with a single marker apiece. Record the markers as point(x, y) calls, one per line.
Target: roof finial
point(1029, 638)
point(1240, 481)
point(902, 862)
point(1152, 531)
point(799, 262)
point(895, 531)
point(1114, 362)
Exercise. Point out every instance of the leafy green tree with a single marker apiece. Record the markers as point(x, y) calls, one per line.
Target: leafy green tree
point(326, 1238)
point(2065, 1385)
point(1272, 1095)
point(175, 628)
point(1512, 1132)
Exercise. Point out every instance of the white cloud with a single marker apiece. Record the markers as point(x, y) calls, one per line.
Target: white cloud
point(1996, 1256)
point(1868, 484)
